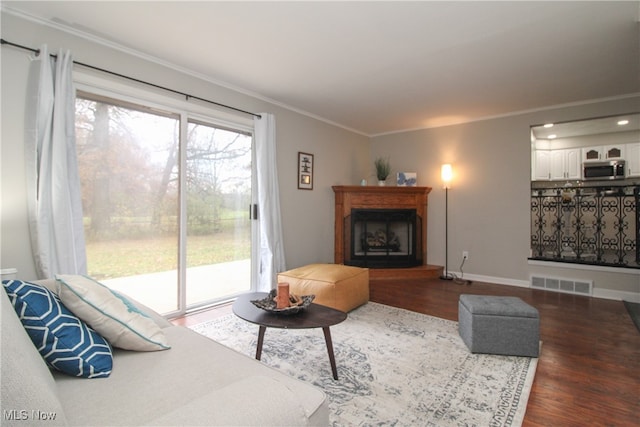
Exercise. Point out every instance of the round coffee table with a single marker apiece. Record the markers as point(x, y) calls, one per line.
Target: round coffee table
point(314, 316)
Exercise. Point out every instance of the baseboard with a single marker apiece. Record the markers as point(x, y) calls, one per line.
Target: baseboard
point(491, 279)
point(597, 292)
point(616, 295)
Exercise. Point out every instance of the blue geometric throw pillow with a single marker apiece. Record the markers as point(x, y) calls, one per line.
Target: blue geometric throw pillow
point(65, 342)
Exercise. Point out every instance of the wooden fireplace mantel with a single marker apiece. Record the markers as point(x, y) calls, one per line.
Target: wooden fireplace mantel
point(348, 197)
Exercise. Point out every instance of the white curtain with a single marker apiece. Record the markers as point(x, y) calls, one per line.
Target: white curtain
point(53, 186)
point(272, 260)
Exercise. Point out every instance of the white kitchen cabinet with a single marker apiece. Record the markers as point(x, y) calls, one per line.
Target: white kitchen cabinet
point(632, 154)
point(614, 152)
point(603, 152)
point(541, 165)
point(591, 153)
point(566, 164)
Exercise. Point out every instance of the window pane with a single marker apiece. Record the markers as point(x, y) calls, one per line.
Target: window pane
point(128, 161)
point(218, 226)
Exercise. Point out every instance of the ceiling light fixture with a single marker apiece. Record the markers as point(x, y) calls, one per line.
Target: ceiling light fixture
point(623, 122)
point(548, 125)
point(552, 136)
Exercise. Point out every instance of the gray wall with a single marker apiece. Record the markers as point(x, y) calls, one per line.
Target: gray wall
point(489, 213)
point(341, 156)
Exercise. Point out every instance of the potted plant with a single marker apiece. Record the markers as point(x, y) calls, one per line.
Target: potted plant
point(383, 169)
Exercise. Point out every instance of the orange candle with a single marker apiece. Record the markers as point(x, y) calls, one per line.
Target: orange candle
point(282, 301)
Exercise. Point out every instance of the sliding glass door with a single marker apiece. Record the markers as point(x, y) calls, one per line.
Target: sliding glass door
point(166, 203)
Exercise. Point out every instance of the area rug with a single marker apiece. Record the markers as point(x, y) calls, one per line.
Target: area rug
point(634, 311)
point(395, 367)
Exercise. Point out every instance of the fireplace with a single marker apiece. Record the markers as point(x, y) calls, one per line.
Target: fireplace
point(384, 229)
point(383, 238)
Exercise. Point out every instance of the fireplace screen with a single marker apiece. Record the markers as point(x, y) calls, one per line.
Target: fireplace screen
point(383, 238)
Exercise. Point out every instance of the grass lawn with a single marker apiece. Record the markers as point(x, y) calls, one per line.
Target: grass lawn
point(129, 257)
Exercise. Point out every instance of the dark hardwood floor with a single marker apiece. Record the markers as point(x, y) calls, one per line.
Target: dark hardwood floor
point(589, 368)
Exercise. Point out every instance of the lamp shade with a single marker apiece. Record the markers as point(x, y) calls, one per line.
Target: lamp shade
point(446, 173)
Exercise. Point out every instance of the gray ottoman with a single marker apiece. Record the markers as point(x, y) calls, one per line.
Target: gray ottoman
point(499, 325)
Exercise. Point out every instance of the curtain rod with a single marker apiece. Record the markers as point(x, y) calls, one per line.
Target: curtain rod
point(186, 95)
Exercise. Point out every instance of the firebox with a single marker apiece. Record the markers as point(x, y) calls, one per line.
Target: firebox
point(383, 238)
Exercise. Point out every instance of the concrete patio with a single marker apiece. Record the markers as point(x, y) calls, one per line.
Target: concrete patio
point(208, 283)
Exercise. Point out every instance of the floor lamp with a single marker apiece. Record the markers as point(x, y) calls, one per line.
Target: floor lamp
point(446, 174)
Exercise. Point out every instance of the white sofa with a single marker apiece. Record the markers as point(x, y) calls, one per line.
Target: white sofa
point(196, 382)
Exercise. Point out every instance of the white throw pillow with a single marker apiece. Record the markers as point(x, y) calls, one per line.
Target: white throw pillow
point(111, 314)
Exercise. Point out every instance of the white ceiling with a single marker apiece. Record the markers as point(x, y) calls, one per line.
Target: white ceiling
point(381, 67)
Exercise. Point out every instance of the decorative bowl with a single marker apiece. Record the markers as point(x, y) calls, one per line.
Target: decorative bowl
point(268, 304)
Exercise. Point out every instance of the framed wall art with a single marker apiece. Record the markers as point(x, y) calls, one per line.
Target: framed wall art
point(407, 179)
point(305, 171)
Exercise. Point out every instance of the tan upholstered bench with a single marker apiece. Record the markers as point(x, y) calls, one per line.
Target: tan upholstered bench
point(338, 286)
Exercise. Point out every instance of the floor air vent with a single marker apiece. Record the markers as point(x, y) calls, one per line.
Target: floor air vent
point(580, 287)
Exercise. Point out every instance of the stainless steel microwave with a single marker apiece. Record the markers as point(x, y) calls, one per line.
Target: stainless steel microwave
point(613, 169)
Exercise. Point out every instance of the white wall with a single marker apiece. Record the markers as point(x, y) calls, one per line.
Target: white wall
point(341, 157)
point(489, 211)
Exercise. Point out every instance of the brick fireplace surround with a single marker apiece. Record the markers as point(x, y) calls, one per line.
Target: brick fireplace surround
point(371, 197)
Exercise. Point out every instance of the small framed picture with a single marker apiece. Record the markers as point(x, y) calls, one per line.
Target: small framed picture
point(305, 171)
point(407, 179)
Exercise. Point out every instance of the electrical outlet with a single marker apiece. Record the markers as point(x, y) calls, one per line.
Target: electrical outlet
point(465, 255)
